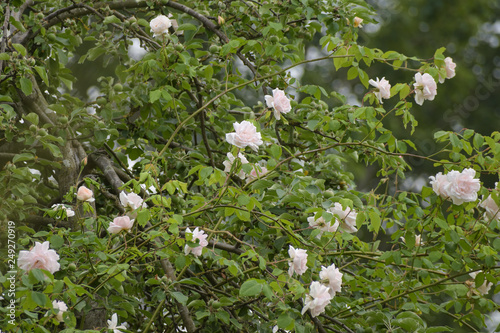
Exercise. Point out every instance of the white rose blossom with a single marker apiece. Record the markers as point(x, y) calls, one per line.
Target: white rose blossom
point(245, 134)
point(61, 307)
point(425, 88)
point(457, 186)
point(334, 278)
point(299, 261)
point(229, 163)
point(113, 324)
point(322, 225)
point(485, 287)
point(131, 201)
point(492, 211)
point(279, 102)
point(69, 212)
point(347, 218)
point(382, 89)
point(160, 25)
point(197, 235)
point(317, 299)
point(256, 173)
point(450, 69)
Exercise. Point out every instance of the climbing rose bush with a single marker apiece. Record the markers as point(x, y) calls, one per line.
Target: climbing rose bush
point(314, 228)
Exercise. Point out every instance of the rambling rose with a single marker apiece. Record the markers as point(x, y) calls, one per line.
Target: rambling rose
point(69, 212)
point(317, 299)
point(229, 163)
point(485, 287)
point(492, 211)
point(40, 256)
point(333, 276)
point(299, 261)
point(425, 88)
point(347, 217)
point(159, 25)
point(85, 194)
point(197, 235)
point(61, 307)
point(131, 201)
point(382, 88)
point(245, 135)
point(279, 102)
point(257, 172)
point(450, 69)
point(120, 223)
point(113, 324)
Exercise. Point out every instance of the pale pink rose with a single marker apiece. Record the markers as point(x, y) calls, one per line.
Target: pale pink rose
point(317, 299)
point(299, 261)
point(357, 22)
point(492, 211)
point(159, 25)
point(131, 201)
point(439, 184)
point(347, 217)
point(333, 276)
point(245, 135)
point(69, 212)
point(120, 223)
point(113, 324)
point(462, 187)
point(61, 307)
point(279, 102)
point(229, 163)
point(197, 235)
point(256, 173)
point(85, 194)
point(40, 256)
point(425, 88)
point(485, 287)
point(322, 225)
point(450, 69)
point(382, 88)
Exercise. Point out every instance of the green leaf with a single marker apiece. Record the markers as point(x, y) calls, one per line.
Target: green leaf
point(111, 19)
point(26, 86)
point(4, 56)
point(39, 298)
point(19, 48)
point(180, 297)
point(22, 157)
point(284, 320)
point(250, 287)
point(375, 221)
point(43, 74)
point(155, 95)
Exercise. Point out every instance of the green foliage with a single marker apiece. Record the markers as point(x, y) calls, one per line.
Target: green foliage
point(157, 127)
